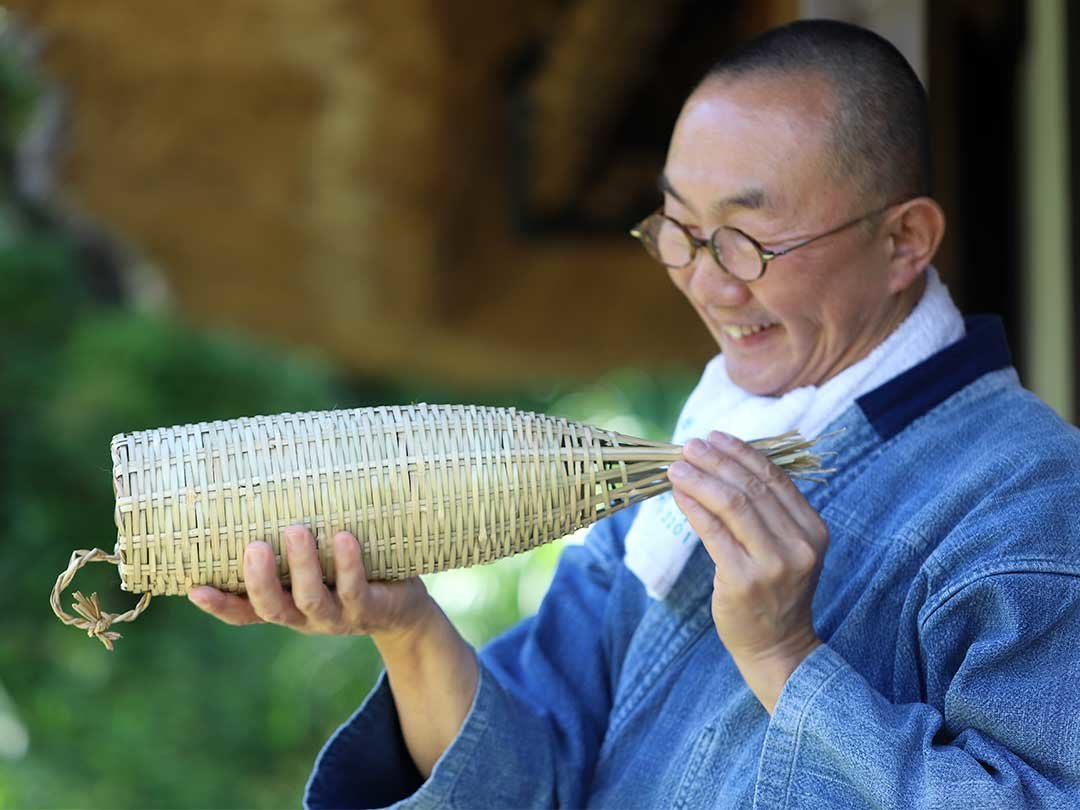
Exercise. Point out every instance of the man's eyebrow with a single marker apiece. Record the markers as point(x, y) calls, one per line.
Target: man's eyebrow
point(752, 198)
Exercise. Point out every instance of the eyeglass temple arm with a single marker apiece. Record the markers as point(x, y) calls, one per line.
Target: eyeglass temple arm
point(769, 255)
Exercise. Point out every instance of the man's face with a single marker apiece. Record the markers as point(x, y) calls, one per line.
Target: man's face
point(751, 154)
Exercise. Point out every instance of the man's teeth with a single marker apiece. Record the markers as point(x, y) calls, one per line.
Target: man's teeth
point(739, 332)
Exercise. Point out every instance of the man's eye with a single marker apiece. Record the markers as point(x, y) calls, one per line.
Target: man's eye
point(690, 226)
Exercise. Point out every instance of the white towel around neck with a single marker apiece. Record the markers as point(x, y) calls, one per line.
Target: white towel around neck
point(660, 540)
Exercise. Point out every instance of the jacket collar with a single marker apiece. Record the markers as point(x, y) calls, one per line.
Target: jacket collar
point(899, 402)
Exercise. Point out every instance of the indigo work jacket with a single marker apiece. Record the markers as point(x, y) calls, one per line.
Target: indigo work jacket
point(948, 604)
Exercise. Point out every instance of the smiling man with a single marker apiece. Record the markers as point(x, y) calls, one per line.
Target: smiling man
point(754, 160)
point(905, 635)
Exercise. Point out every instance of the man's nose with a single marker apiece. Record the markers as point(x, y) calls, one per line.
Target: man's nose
point(711, 284)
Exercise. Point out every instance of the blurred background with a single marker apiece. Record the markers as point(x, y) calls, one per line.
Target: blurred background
point(212, 210)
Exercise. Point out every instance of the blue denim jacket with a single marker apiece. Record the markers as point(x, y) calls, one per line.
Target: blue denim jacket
point(949, 604)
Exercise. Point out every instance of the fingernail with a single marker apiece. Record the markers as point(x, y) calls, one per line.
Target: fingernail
point(679, 470)
point(695, 448)
point(721, 440)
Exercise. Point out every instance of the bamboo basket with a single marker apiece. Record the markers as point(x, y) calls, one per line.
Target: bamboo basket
point(425, 488)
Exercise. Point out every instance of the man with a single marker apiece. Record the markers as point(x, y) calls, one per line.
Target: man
point(903, 635)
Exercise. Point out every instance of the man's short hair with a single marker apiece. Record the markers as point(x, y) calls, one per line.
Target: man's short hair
point(880, 138)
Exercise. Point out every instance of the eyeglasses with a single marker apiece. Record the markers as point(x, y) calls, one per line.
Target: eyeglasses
point(670, 242)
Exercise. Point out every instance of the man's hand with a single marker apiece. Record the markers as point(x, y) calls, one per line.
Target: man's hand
point(432, 671)
point(767, 543)
point(390, 612)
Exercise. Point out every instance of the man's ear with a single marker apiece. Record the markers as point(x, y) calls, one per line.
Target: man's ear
point(915, 229)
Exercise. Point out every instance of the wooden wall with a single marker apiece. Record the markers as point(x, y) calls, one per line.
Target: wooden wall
point(443, 188)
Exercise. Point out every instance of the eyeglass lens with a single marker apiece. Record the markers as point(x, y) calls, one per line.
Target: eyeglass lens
point(736, 252)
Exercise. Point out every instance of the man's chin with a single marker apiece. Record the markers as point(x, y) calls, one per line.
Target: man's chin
point(754, 384)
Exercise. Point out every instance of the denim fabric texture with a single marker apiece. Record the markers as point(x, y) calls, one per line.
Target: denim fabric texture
point(948, 604)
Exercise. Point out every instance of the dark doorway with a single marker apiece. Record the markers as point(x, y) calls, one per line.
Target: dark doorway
point(974, 51)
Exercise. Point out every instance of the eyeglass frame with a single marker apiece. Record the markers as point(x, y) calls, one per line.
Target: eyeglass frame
point(764, 253)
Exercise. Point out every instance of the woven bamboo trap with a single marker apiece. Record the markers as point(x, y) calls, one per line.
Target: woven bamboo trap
point(424, 487)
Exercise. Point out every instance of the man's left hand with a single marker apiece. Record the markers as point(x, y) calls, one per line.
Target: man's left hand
point(767, 543)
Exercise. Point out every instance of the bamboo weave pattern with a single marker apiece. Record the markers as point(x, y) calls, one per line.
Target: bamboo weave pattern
point(424, 487)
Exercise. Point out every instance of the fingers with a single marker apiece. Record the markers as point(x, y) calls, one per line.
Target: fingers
point(776, 498)
point(390, 612)
point(268, 598)
point(733, 495)
point(742, 494)
point(778, 482)
point(386, 609)
point(228, 607)
point(309, 606)
point(723, 548)
point(309, 594)
point(350, 579)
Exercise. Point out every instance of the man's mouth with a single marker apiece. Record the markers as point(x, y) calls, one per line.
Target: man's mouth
point(743, 331)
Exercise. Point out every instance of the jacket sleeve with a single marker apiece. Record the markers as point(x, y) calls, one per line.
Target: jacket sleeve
point(998, 727)
point(533, 731)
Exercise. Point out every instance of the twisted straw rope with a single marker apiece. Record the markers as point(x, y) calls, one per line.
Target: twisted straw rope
point(94, 621)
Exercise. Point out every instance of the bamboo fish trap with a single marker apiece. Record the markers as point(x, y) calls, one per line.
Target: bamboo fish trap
point(425, 488)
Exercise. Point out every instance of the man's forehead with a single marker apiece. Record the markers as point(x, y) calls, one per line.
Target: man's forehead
point(768, 114)
point(741, 144)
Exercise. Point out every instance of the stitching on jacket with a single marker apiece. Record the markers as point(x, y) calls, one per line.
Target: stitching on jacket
point(698, 754)
point(1019, 565)
point(804, 709)
point(669, 649)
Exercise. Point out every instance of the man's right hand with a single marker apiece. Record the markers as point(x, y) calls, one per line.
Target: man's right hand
point(432, 671)
point(390, 612)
